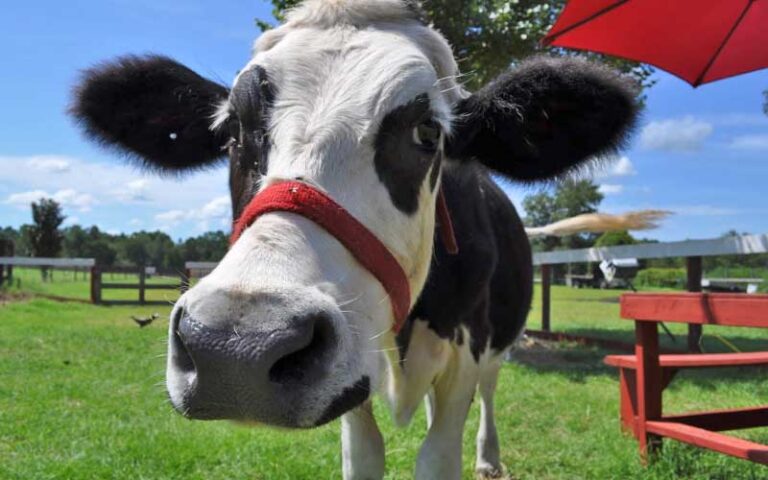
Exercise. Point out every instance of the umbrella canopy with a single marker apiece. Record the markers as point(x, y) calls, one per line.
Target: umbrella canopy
point(699, 41)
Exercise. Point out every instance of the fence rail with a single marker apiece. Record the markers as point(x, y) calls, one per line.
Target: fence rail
point(735, 245)
point(48, 262)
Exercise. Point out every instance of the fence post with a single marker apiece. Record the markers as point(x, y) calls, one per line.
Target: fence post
point(95, 285)
point(546, 281)
point(185, 280)
point(694, 273)
point(142, 282)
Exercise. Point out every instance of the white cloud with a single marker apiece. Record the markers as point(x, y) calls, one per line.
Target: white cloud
point(72, 198)
point(216, 212)
point(610, 189)
point(622, 168)
point(134, 191)
point(219, 207)
point(71, 221)
point(171, 217)
point(676, 135)
point(49, 163)
point(67, 198)
point(23, 199)
point(615, 167)
point(107, 188)
point(751, 142)
point(136, 222)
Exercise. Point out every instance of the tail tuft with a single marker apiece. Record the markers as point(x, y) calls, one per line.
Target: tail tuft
point(600, 222)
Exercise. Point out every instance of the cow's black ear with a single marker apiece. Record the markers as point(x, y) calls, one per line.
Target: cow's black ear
point(544, 118)
point(152, 109)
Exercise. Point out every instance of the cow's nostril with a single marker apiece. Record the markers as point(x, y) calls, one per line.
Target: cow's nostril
point(180, 356)
point(309, 362)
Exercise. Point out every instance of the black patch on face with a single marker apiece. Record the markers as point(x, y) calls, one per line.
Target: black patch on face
point(400, 163)
point(347, 400)
point(251, 103)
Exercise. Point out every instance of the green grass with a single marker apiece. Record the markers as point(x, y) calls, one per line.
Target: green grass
point(79, 399)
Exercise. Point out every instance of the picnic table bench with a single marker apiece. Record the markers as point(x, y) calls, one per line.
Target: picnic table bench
point(644, 375)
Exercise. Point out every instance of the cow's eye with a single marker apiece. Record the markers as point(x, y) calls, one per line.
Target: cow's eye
point(427, 135)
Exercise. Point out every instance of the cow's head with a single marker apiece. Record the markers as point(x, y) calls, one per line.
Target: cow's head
point(361, 100)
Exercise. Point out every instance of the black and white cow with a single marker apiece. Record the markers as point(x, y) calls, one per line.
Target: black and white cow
point(359, 99)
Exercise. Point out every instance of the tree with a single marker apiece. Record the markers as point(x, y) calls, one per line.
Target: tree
point(75, 241)
point(208, 247)
point(539, 208)
point(44, 236)
point(614, 239)
point(570, 197)
point(575, 197)
point(488, 36)
point(135, 250)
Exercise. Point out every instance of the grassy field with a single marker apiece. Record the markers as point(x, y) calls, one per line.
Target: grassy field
point(81, 398)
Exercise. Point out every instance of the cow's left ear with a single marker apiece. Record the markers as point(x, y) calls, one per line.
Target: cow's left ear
point(544, 118)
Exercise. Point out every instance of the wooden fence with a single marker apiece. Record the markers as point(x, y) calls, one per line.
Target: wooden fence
point(98, 285)
point(691, 250)
point(97, 282)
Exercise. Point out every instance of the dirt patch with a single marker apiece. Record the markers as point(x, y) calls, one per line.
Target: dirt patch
point(7, 297)
point(552, 354)
point(596, 300)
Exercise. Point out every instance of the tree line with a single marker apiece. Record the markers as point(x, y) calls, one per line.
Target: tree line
point(45, 237)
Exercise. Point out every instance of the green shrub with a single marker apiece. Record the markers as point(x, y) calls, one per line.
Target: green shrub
point(661, 277)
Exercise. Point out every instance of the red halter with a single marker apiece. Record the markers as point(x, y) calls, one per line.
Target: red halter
point(309, 202)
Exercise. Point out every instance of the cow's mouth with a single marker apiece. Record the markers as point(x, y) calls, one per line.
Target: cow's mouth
point(350, 398)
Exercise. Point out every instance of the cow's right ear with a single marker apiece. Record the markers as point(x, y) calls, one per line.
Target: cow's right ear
point(153, 110)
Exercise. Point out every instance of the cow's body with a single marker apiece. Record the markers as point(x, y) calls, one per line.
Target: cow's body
point(359, 100)
point(473, 307)
point(486, 288)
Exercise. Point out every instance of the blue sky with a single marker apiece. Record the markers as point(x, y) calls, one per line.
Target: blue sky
point(701, 153)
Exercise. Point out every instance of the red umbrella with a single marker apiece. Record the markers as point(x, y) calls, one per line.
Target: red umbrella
point(700, 41)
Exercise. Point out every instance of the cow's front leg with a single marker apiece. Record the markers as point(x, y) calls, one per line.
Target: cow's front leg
point(488, 463)
point(440, 455)
point(362, 446)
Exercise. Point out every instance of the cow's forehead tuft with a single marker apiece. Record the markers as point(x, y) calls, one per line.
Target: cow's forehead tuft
point(328, 13)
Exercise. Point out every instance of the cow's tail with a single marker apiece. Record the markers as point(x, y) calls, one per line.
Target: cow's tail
point(599, 223)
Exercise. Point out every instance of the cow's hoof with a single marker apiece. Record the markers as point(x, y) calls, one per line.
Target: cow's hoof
point(488, 471)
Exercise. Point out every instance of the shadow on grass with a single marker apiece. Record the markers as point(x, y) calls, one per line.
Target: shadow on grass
point(711, 343)
point(578, 362)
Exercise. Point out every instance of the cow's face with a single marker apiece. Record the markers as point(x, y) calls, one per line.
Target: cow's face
point(360, 100)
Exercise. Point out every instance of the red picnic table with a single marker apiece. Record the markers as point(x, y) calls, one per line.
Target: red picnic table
point(644, 375)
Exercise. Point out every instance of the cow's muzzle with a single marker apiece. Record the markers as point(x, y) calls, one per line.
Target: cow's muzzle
point(269, 372)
